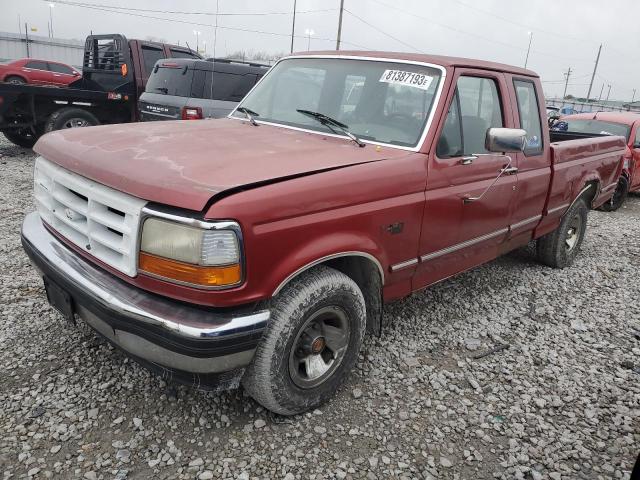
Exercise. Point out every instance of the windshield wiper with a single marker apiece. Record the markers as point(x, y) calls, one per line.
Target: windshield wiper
point(163, 89)
point(328, 121)
point(250, 114)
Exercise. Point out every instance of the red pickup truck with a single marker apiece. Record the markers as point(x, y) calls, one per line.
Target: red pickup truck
point(260, 248)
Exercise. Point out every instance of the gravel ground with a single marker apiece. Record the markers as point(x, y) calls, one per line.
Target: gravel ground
point(561, 402)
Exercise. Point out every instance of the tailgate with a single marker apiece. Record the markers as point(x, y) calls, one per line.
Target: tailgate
point(154, 106)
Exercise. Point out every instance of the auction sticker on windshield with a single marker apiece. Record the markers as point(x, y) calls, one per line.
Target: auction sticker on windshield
point(411, 79)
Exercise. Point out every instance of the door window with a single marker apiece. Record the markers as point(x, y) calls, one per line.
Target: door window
point(36, 65)
point(58, 68)
point(636, 143)
point(150, 56)
point(474, 109)
point(529, 115)
point(227, 87)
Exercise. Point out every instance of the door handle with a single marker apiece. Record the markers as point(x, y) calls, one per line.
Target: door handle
point(468, 160)
point(507, 170)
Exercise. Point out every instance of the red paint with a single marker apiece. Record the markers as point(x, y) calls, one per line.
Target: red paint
point(631, 168)
point(316, 196)
point(39, 76)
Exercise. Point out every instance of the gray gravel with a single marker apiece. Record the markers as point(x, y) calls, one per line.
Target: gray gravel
point(439, 396)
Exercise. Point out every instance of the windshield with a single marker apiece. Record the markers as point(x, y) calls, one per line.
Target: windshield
point(597, 127)
point(383, 102)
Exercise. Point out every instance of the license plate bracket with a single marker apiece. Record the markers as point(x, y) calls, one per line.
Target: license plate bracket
point(60, 300)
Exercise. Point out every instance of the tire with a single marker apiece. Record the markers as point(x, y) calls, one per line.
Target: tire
point(619, 196)
point(284, 373)
point(70, 118)
point(15, 80)
point(23, 138)
point(559, 248)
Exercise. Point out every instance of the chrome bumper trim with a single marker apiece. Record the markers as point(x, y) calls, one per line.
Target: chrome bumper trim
point(177, 318)
point(459, 246)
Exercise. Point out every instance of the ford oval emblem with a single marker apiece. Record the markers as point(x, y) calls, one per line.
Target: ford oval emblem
point(70, 214)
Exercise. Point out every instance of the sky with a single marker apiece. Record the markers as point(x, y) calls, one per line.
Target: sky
point(564, 33)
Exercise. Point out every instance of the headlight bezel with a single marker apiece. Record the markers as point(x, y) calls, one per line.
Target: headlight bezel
point(193, 222)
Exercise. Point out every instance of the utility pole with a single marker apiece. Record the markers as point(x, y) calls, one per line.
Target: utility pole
point(594, 73)
point(340, 25)
point(634, 95)
point(526, 60)
point(566, 84)
point(601, 90)
point(26, 37)
point(608, 93)
point(293, 25)
point(51, 5)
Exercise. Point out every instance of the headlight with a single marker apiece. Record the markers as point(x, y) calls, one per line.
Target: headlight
point(190, 255)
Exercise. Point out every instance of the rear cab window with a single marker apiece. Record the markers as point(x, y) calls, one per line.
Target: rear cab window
point(178, 53)
point(150, 55)
point(529, 115)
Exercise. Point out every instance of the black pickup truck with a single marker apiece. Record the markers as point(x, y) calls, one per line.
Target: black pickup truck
point(114, 74)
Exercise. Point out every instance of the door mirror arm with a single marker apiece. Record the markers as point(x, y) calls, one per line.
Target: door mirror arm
point(507, 169)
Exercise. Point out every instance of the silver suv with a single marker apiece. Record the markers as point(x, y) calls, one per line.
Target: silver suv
point(190, 89)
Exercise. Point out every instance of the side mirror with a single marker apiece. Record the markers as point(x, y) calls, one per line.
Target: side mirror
point(500, 140)
point(76, 74)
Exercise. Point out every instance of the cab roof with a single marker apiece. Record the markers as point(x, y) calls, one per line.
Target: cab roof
point(419, 57)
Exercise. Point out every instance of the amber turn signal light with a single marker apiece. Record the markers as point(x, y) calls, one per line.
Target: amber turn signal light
point(196, 275)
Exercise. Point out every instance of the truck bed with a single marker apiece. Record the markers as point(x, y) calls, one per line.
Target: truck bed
point(580, 161)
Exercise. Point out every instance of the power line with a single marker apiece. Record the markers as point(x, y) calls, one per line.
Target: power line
point(383, 32)
point(182, 12)
point(519, 24)
point(187, 22)
point(465, 32)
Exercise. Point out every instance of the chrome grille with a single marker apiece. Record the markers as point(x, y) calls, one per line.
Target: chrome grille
point(102, 221)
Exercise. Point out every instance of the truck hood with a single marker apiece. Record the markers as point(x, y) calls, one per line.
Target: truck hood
point(186, 163)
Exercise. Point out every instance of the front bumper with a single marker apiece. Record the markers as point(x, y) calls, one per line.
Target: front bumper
point(187, 343)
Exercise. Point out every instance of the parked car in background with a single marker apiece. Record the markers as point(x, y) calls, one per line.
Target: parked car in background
point(260, 248)
point(197, 89)
point(625, 124)
point(115, 71)
point(38, 72)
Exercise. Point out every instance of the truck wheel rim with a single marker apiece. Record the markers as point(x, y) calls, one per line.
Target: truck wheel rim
point(319, 347)
point(573, 233)
point(76, 123)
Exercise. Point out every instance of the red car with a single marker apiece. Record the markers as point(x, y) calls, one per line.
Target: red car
point(38, 72)
point(625, 124)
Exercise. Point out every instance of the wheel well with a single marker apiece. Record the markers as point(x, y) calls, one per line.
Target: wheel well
point(589, 192)
point(12, 75)
point(367, 274)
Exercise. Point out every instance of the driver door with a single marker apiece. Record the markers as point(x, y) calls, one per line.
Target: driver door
point(459, 233)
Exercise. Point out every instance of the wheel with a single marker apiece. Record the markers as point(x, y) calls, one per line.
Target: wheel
point(70, 118)
point(15, 80)
point(23, 137)
point(619, 196)
point(559, 248)
point(312, 342)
